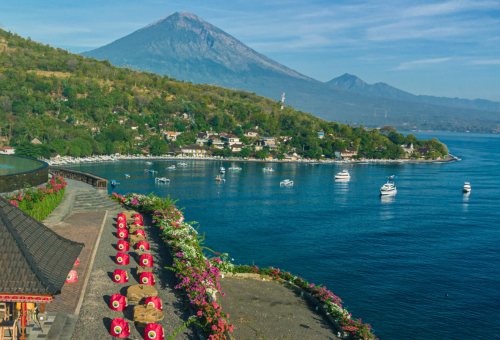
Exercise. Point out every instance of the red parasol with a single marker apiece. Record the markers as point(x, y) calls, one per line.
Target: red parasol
point(118, 302)
point(119, 328)
point(146, 260)
point(120, 276)
point(122, 259)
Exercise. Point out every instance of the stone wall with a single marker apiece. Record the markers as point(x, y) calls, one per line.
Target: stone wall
point(9, 183)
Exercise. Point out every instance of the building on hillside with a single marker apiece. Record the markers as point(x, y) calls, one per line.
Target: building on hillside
point(268, 141)
point(174, 149)
point(194, 150)
point(7, 150)
point(321, 134)
point(236, 147)
point(201, 142)
point(137, 136)
point(424, 150)
point(290, 156)
point(258, 146)
point(216, 143)
point(202, 135)
point(162, 126)
point(61, 98)
point(117, 152)
point(271, 147)
point(55, 155)
point(121, 121)
point(36, 141)
point(230, 139)
point(345, 153)
point(211, 133)
point(118, 110)
point(408, 149)
point(133, 126)
point(171, 136)
point(251, 133)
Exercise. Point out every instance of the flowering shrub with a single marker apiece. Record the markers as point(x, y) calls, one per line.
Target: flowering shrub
point(198, 275)
point(332, 303)
point(41, 201)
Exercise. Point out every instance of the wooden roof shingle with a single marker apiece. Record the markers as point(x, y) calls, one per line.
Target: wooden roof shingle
point(33, 258)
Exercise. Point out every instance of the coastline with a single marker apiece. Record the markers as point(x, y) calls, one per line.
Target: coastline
point(70, 161)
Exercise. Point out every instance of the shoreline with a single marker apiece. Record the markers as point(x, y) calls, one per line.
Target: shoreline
point(67, 161)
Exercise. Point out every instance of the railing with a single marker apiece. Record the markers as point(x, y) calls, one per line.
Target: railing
point(96, 181)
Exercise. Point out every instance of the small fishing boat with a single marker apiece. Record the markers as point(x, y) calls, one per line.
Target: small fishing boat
point(150, 171)
point(162, 180)
point(149, 163)
point(114, 183)
point(267, 169)
point(467, 188)
point(388, 189)
point(222, 170)
point(342, 175)
point(171, 167)
point(234, 168)
point(218, 179)
point(181, 164)
point(286, 183)
point(127, 175)
point(391, 176)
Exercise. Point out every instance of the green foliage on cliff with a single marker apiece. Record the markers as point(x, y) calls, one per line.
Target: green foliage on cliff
point(80, 106)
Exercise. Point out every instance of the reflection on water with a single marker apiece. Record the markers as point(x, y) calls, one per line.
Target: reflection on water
point(386, 199)
point(465, 198)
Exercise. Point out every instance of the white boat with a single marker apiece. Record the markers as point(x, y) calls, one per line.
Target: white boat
point(234, 168)
point(171, 167)
point(127, 175)
point(162, 180)
point(343, 175)
point(267, 169)
point(467, 188)
point(286, 183)
point(219, 179)
point(222, 170)
point(181, 164)
point(149, 163)
point(388, 189)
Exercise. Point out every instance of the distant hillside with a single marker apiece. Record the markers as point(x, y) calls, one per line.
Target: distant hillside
point(353, 83)
point(186, 47)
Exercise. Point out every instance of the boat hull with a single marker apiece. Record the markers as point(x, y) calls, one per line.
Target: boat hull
point(388, 192)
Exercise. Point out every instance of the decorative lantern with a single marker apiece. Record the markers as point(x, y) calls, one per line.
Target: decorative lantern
point(119, 328)
point(140, 232)
point(154, 302)
point(77, 262)
point(121, 224)
point(122, 233)
point(122, 245)
point(142, 245)
point(118, 302)
point(146, 260)
point(72, 277)
point(120, 276)
point(147, 278)
point(122, 259)
point(139, 216)
point(138, 223)
point(153, 331)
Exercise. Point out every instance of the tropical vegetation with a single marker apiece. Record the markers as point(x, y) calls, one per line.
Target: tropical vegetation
point(81, 106)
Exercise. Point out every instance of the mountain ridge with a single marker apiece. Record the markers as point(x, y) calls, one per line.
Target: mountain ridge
point(380, 89)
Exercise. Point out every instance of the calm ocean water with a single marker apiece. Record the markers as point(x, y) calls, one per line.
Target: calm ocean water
point(391, 260)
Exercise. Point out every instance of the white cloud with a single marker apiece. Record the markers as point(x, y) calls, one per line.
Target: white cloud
point(486, 62)
point(413, 64)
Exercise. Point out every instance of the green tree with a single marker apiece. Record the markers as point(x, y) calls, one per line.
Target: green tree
point(263, 153)
point(27, 149)
point(245, 152)
point(58, 146)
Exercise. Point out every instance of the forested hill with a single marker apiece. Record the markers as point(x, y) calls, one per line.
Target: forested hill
point(82, 106)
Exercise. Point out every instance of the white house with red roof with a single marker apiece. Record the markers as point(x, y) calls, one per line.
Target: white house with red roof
point(7, 150)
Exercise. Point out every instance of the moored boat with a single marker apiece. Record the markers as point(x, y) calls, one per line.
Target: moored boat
point(222, 170)
point(342, 175)
point(388, 189)
point(286, 183)
point(467, 188)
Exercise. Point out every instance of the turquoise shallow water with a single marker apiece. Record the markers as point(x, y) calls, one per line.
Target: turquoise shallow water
point(391, 260)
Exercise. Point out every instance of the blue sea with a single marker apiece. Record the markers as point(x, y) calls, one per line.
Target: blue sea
point(424, 264)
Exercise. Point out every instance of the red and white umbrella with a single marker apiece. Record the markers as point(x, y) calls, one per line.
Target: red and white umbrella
point(122, 245)
point(72, 277)
point(140, 232)
point(120, 276)
point(142, 245)
point(119, 328)
point(154, 302)
point(153, 331)
point(118, 302)
point(146, 260)
point(122, 259)
point(122, 233)
point(147, 278)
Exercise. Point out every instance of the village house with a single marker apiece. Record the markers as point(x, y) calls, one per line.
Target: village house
point(36, 141)
point(61, 98)
point(202, 135)
point(121, 121)
point(55, 155)
point(7, 150)
point(171, 136)
point(408, 149)
point(251, 133)
point(201, 142)
point(119, 110)
point(346, 153)
point(137, 136)
point(174, 149)
point(216, 143)
point(230, 139)
point(162, 126)
point(268, 141)
point(117, 152)
point(236, 147)
point(258, 146)
point(321, 134)
point(290, 156)
point(194, 150)
point(424, 150)
point(133, 126)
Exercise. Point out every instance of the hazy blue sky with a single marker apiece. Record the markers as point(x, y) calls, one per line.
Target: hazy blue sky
point(443, 48)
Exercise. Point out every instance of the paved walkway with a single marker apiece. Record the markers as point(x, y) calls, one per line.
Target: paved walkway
point(95, 315)
point(269, 310)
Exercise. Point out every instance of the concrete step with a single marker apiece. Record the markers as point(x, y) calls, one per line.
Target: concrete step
point(69, 327)
point(57, 326)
